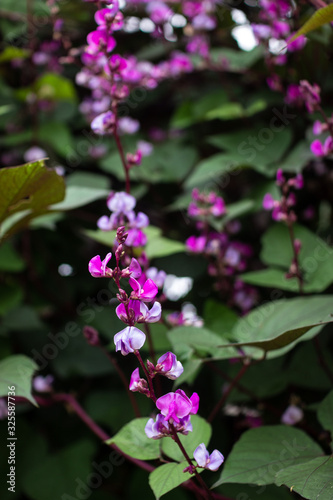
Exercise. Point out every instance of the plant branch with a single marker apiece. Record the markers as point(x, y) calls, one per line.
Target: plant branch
point(225, 396)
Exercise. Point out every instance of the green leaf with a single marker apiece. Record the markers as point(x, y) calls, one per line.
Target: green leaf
point(188, 341)
point(312, 480)
point(63, 475)
point(30, 187)
point(17, 371)
point(207, 171)
point(12, 52)
point(325, 413)
point(261, 452)
point(278, 323)
point(167, 477)
point(315, 258)
point(10, 296)
point(52, 87)
point(236, 60)
point(133, 441)
point(318, 19)
point(82, 189)
point(201, 434)
point(10, 260)
point(219, 318)
point(58, 136)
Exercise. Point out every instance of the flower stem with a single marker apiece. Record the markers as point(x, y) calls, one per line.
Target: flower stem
point(225, 396)
point(208, 493)
point(296, 261)
point(148, 377)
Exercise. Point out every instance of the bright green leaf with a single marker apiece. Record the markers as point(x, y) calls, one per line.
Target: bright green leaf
point(17, 371)
point(318, 19)
point(312, 480)
point(261, 452)
point(132, 440)
point(82, 189)
point(167, 477)
point(11, 52)
point(29, 187)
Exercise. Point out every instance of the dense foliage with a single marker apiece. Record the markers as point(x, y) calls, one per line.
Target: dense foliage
point(165, 229)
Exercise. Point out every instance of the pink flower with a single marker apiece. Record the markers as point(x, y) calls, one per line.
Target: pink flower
point(121, 202)
point(146, 293)
point(196, 244)
point(98, 268)
point(319, 149)
point(177, 405)
point(208, 461)
point(268, 202)
point(317, 127)
point(161, 428)
point(129, 340)
point(158, 429)
point(169, 366)
point(138, 312)
point(138, 384)
point(99, 40)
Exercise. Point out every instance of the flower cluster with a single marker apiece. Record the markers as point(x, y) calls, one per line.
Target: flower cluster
point(226, 256)
point(282, 209)
point(274, 28)
point(121, 206)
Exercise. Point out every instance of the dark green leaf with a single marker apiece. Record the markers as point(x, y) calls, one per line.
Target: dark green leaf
point(261, 452)
point(167, 477)
point(17, 371)
point(325, 413)
point(132, 440)
point(278, 323)
point(312, 480)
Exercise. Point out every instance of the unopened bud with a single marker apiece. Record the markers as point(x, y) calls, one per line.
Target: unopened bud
point(91, 335)
point(121, 235)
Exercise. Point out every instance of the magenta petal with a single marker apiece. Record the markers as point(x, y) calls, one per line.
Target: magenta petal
point(135, 269)
point(135, 377)
point(268, 202)
point(317, 148)
point(195, 402)
point(149, 290)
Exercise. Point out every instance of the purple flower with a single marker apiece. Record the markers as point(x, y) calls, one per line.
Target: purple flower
point(168, 366)
point(158, 429)
point(99, 40)
point(268, 202)
point(177, 405)
point(158, 277)
point(34, 153)
point(136, 238)
point(161, 428)
point(121, 202)
point(127, 125)
point(129, 340)
point(138, 312)
point(196, 244)
point(145, 147)
point(43, 384)
point(319, 149)
point(146, 292)
point(135, 269)
point(292, 415)
point(138, 384)
point(317, 127)
point(208, 461)
point(103, 124)
point(97, 267)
